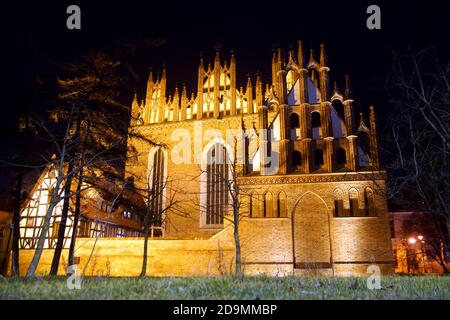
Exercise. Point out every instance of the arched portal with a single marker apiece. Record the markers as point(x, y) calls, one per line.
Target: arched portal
point(311, 233)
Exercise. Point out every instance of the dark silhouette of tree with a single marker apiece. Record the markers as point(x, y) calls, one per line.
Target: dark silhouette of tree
point(419, 140)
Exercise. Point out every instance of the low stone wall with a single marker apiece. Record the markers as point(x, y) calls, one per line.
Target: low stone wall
point(123, 257)
point(266, 249)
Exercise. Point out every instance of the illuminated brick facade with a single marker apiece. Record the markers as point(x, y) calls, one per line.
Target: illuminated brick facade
point(312, 192)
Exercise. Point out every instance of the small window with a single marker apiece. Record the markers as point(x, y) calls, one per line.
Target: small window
point(296, 158)
point(295, 120)
point(341, 157)
point(315, 119)
point(318, 158)
point(127, 214)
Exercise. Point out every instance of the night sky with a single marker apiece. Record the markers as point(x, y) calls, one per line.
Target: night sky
point(34, 39)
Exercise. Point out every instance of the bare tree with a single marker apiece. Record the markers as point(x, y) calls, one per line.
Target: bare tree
point(100, 130)
point(57, 164)
point(234, 168)
point(418, 158)
point(155, 214)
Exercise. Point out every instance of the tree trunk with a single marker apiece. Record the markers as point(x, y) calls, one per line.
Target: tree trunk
point(144, 260)
point(43, 235)
point(62, 226)
point(76, 219)
point(237, 243)
point(16, 225)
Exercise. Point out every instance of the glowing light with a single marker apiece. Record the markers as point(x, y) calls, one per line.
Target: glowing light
point(420, 237)
point(412, 240)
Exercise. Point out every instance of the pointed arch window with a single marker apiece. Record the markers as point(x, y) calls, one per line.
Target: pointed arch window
point(250, 205)
point(338, 204)
point(217, 175)
point(281, 205)
point(268, 205)
point(354, 203)
point(369, 202)
point(255, 205)
point(156, 186)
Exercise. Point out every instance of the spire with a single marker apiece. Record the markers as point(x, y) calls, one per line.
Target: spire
point(324, 87)
point(312, 61)
point(291, 59)
point(135, 103)
point(216, 85)
point(362, 125)
point(233, 59)
point(249, 94)
point(323, 58)
point(274, 69)
point(200, 82)
point(280, 58)
point(372, 116)
point(259, 93)
point(149, 93)
point(249, 82)
point(200, 64)
point(150, 76)
point(183, 92)
point(217, 58)
point(336, 90)
point(183, 103)
point(134, 110)
point(375, 162)
point(233, 83)
point(300, 54)
point(267, 92)
point(176, 105)
point(163, 82)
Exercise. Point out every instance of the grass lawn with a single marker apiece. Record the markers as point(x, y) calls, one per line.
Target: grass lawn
point(227, 288)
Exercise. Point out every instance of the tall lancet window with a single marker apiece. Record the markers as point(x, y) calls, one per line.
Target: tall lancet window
point(156, 186)
point(217, 184)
